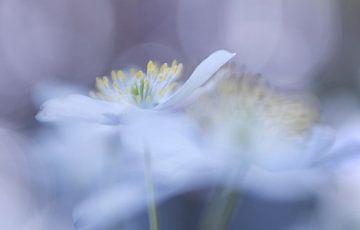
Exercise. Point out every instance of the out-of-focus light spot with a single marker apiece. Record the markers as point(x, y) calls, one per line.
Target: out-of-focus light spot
point(255, 42)
point(287, 41)
point(200, 28)
point(48, 39)
point(253, 29)
point(291, 60)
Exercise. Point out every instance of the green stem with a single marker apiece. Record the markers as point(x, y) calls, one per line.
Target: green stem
point(220, 210)
point(152, 208)
point(229, 208)
point(225, 199)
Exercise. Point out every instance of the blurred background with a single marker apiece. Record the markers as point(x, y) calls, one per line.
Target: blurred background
point(48, 48)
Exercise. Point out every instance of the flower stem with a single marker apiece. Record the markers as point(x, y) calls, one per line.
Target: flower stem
point(220, 210)
point(229, 208)
point(224, 202)
point(152, 208)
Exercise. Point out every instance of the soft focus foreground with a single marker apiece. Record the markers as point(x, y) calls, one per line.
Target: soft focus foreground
point(269, 137)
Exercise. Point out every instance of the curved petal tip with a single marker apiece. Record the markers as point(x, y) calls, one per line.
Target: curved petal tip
point(202, 73)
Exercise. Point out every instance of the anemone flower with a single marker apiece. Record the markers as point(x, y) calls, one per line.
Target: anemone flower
point(156, 89)
point(140, 102)
point(246, 120)
point(247, 123)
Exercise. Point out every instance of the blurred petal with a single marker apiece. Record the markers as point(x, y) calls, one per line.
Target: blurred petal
point(320, 141)
point(177, 165)
point(50, 89)
point(282, 185)
point(79, 107)
point(177, 158)
point(110, 206)
point(203, 72)
point(283, 153)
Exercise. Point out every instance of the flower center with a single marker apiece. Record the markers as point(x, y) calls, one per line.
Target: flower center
point(144, 90)
point(245, 100)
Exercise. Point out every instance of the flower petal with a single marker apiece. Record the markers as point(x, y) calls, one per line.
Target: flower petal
point(79, 107)
point(279, 152)
point(203, 72)
point(319, 144)
point(282, 185)
point(110, 206)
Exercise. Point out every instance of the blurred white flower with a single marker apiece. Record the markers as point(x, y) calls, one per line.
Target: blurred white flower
point(245, 121)
point(135, 89)
point(247, 124)
point(135, 98)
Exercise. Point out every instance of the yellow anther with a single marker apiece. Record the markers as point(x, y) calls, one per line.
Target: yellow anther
point(99, 83)
point(164, 69)
point(121, 75)
point(152, 68)
point(140, 74)
point(176, 69)
point(179, 69)
point(105, 81)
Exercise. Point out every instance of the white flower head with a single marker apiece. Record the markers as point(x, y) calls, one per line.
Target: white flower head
point(155, 89)
point(245, 117)
point(134, 98)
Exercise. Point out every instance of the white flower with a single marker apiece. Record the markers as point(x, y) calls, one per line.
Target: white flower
point(248, 122)
point(92, 167)
point(136, 98)
point(156, 89)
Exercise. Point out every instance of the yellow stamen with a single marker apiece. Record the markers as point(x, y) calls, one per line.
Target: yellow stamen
point(143, 88)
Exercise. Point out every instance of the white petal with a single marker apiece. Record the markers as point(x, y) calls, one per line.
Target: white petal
point(79, 107)
point(282, 185)
point(110, 206)
point(277, 153)
point(47, 90)
point(203, 72)
point(320, 143)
